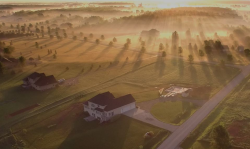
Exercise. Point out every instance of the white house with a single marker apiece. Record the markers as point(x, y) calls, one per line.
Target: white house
point(104, 106)
point(39, 81)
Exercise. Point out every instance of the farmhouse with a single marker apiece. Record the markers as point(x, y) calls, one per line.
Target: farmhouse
point(104, 106)
point(39, 81)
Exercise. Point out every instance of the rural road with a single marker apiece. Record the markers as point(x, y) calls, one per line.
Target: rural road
point(175, 139)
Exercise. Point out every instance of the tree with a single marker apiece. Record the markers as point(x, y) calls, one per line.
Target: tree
point(1, 68)
point(36, 44)
point(161, 47)
point(65, 35)
point(201, 53)
point(102, 37)
point(230, 57)
point(128, 41)
point(220, 137)
point(190, 58)
point(247, 52)
point(126, 45)
point(143, 43)
point(8, 50)
point(97, 41)
point(74, 38)
point(180, 50)
point(39, 57)
point(208, 49)
point(85, 39)
point(110, 43)
point(67, 68)
point(114, 39)
point(22, 60)
point(143, 49)
point(54, 56)
point(164, 54)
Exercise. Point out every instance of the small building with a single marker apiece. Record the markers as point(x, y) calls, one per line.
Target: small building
point(240, 48)
point(105, 106)
point(176, 90)
point(39, 81)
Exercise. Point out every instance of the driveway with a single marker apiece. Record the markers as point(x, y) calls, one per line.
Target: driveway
point(146, 117)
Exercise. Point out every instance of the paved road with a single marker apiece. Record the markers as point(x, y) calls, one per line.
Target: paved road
point(146, 117)
point(175, 139)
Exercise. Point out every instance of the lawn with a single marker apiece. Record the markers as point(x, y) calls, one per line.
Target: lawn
point(71, 131)
point(233, 112)
point(174, 113)
point(110, 66)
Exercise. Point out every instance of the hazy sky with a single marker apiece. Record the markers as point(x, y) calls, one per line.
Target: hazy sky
point(103, 0)
point(143, 1)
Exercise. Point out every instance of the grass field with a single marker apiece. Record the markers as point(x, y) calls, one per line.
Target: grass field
point(144, 70)
point(71, 131)
point(174, 113)
point(233, 112)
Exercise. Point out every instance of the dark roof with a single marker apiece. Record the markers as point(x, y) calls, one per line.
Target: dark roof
point(35, 75)
point(119, 102)
point(102, 99)
point(99, 109)
point(46, 80)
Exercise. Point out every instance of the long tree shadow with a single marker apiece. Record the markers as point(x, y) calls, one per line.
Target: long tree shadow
point(193, 73)
point(63, 45)
point(96, 135)
point(75, 47)
point(88, 50)
point(138, 61)
point(181, 67)
point(119, 55)
point(103, 52)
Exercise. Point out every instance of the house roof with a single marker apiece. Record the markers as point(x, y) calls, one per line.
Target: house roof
point(46, 80)
point(107, 99)
point(102, 99)
point(99, 109)
point(119, 102)
point(35, 75)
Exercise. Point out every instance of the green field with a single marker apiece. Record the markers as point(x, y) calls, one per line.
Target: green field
point(143, 70)
point(233, 112)
point(72, 131)
point(174, 113)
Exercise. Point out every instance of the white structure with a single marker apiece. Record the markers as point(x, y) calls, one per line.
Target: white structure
point(174, 90)
point(39, 81)
point(104, 106)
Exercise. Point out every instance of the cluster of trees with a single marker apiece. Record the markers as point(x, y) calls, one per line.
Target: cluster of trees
point(14, 34)
point(209, 45)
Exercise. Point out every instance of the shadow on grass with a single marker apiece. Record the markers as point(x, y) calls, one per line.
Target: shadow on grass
point(75, 47)
point(93, 135)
